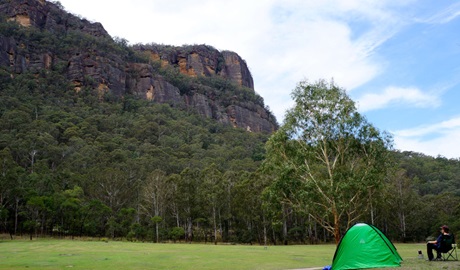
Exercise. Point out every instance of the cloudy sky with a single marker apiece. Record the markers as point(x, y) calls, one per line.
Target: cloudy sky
point(397, 59)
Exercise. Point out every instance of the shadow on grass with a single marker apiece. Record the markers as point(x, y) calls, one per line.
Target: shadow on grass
point(423, 264)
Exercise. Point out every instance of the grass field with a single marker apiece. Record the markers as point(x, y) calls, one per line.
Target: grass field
point(76, 254)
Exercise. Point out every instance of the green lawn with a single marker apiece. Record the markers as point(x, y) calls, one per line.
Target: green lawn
point(75, 254)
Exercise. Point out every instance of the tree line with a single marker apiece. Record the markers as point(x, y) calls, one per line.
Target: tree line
point(123, 168)
point(77, 164)
point(69, 158)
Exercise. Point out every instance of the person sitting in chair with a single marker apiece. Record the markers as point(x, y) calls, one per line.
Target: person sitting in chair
point(438, 244)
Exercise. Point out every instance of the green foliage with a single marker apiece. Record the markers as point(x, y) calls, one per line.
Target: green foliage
point(328, 159)
point(156, 219)
point(88, 160)
point(82, 164)
point(176, 233)
point(137, 232)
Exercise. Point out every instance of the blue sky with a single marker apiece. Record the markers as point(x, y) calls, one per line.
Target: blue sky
point(398, 60)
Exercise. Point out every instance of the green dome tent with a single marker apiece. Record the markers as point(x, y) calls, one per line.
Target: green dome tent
point(365, 246)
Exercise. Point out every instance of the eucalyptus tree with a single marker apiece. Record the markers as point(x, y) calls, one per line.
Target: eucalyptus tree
point(111, 186)
point(213, 193)
point(328, 159)
point(8, 175)
point(250, 217)
point(95, 217)
point(185, 199)
point(10, 185)
point(401, 204)
point(69, 202)
point(155, 195)
point(230, 179)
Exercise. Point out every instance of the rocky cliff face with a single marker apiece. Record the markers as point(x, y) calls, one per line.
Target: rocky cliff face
point(42, 14)
point(201, 60)
point(86, 64)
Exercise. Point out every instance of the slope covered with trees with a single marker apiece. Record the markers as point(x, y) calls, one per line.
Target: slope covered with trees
point(83, 155)
point(68, 158)
point(102, 139)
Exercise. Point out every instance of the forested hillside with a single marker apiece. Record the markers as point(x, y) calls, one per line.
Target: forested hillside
point(74, 164)
point(85, 154)
point(161, 143)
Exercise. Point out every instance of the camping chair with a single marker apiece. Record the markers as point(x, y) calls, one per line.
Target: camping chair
point(448, 248)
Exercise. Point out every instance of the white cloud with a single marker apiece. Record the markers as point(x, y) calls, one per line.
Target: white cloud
point(444, 16)
point(286, 41)
point(397, 95)
point(283, 42)
point(437, 139)
point(443, 127)
point(314, 40)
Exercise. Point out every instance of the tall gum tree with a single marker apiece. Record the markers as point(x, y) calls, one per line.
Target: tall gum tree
point(328, 160)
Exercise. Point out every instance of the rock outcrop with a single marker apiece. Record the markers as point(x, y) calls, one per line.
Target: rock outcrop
point(201, 60)
point(152, 87)
point(97, 61)
point(46, 15)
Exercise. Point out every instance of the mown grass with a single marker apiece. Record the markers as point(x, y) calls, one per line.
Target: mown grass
point(76, 254)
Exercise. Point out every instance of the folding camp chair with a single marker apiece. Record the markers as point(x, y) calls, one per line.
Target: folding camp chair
point(451, 254)
point(448, 248)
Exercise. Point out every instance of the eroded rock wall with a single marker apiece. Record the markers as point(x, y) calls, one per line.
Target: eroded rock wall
point(202, 60)
point(107, 71)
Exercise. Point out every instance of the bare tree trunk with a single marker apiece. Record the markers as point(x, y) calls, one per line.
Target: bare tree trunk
point(337, 235)
point(403, 224)
point(285, 229)
point(157, 234)
point(16, 215)
point(265, 231)
point(32, 154)
point(372, 208)
point(215, 224)
point(189, 229)
point(401, 214)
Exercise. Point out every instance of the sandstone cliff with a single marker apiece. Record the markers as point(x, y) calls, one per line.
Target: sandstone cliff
point(89, 57)
point(201, 60)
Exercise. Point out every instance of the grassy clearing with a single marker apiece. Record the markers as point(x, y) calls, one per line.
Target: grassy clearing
point(63, 254)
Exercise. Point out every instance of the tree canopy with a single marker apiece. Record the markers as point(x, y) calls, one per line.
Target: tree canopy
point(329, 161)
point(83, 163)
